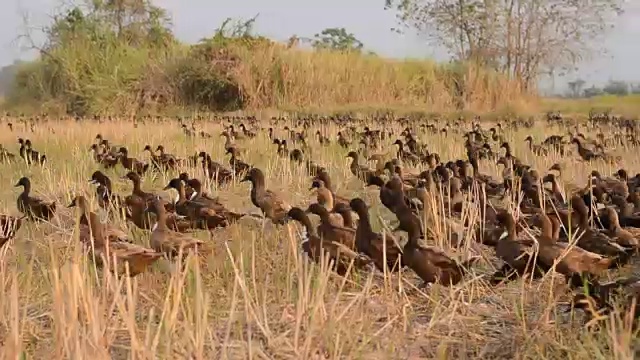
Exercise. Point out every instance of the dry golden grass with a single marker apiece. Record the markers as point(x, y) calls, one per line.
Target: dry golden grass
point(255, 296)
point(272, 76)
point(628, 106)
point(80, 77)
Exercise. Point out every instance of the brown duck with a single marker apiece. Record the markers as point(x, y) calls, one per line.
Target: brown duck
point(347, 215)
point(166, 240)
point(431, 264)
point(516, 253)
point(34, 208)
point(594, 240)
point(628, 238)
point(329, 230)
point(200, 197)
point(137, 214)
point(373, 244)
point(340, 256)
point(8, 227)
point(93, 237)
point(568, 260)
point(272, 206)
point(132, 164)
point(137, 189)
point(201, 215)
point(106, 197)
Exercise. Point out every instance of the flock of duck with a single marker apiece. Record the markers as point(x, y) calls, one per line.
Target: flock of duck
point(581, 234)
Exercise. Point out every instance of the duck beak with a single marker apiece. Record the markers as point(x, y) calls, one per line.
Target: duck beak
point(167, 187)
point(16, 185)
point(246, 178)
point(73, 203)
point(93, 182)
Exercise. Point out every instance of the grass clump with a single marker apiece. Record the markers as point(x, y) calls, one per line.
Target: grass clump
point(94, 64)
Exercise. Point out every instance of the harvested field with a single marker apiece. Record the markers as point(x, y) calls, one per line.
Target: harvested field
point(251, 292)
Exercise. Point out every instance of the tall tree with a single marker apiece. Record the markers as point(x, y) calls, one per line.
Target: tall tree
point(523, 38)
point(576, 87)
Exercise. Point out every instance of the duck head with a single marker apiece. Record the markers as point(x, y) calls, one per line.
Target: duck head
point(24, 181)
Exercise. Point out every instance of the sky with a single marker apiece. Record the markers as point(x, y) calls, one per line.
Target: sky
point(279, 19)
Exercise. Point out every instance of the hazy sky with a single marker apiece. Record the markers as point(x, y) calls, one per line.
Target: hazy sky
point(279, 19)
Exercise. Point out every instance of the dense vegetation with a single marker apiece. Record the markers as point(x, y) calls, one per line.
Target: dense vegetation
point(112, 57)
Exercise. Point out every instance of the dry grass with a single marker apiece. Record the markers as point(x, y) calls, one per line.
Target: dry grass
point(255, 296)
point(628, 106)
point(300, 79)
point(79, 77)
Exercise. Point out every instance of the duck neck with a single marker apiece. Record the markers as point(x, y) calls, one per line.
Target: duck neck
point(26, 189)
point(364, 225)
point(546, 230)
point(306, 222)
point(96, 227)
point(161, 215)
point(347, 218)
point(257, 186)
point(325, 198)
point(136, 187)
point(510, 227)
point(182, 197)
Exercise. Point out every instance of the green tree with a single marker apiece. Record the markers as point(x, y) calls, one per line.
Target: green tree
point(336, 39)
point(523, 38)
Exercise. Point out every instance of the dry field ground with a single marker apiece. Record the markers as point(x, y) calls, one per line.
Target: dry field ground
point(255, 295)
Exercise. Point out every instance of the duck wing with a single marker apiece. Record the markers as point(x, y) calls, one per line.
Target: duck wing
point(274, 206)
point(115, 234)
point(137, 257)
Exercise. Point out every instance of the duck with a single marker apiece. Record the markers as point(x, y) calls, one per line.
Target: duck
point(360, 171)
point(330, 230)
point(568, 260)
point(593, 240)
point(131, 164)
point(167, 241)
point(94, 239)
point(105, 159)
point(106, 197)
point(430, 263)
point(627, 238)
point(198, 213)
point(137, 189)
point(33, 207)
point(340, 255)
point(215, 170)
point(515, 253)
point(135, 208)
point(324, 196)
point(271, 205)
point(373, 244)
point(326, 182)
point(603, 298)
point(347, 215)
point(238, 166)
point(9, 225)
